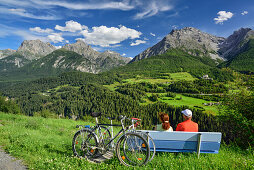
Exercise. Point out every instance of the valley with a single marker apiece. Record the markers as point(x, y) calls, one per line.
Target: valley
point(212, 76)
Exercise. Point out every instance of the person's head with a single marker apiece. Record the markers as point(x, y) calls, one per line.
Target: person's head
point(187, 114)
point(165, 120)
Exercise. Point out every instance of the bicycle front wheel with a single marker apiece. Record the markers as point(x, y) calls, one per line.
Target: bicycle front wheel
point(132, 150)
point(84, 143)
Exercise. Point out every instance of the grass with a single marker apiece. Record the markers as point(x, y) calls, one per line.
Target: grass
point(173, 77)
point(184, 101)
point(46, 144)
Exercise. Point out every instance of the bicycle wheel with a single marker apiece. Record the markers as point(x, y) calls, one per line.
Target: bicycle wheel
point(151, 145)
point(103, 134)
point(84, 143)
point(132, 150)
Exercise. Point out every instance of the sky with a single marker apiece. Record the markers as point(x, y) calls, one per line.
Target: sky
point(125, 26)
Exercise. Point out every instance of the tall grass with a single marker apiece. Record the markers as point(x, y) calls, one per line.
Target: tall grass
point(46, 144)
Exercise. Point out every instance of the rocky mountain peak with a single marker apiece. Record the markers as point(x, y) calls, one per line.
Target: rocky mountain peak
point(6, 52)
point(83, 49)
point(235, 42)
point(34, 49)
point(188, 39)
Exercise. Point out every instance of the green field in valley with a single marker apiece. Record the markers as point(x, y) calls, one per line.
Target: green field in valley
point(46, 144)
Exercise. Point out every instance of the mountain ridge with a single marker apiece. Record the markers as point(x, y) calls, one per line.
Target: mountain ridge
point(198, 43)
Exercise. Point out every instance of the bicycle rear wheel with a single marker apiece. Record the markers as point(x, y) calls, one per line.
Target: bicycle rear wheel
point(132, 150)
point(151, 145)
point(84, 143)
point(103, 133)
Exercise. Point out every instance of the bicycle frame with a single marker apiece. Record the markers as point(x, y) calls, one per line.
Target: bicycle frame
point(123, 130)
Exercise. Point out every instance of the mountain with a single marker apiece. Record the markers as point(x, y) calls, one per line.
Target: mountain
point(28, 51)
point(59, 61)
point(236, 50)
point(5, 53)
point(236, 43)
point(34, 49)
point(188, 39)
point(83, 49)
point(35, 58)
point(244, 61)
point(100, 61)
point(174, 60)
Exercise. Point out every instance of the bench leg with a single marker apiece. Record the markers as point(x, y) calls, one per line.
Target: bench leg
point(199, 144)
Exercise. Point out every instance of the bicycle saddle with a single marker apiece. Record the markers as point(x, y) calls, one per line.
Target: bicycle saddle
point(95, 114)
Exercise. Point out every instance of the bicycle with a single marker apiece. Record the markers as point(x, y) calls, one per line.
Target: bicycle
point(131, 148)
point(135, 122)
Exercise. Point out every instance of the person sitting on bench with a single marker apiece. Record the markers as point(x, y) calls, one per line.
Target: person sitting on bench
point(188, 125)
point(165, 126)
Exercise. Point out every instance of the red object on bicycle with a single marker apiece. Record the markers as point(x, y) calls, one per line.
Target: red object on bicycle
point(137, 119)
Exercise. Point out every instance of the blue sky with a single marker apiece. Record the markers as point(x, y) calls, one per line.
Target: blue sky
point(125, 26)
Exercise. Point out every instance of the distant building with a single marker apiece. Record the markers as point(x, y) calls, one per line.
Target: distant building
point(206, 77)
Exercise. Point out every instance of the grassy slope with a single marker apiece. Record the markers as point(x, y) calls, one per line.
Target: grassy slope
point(185, 101)
point(244, 61)
point(46, 144)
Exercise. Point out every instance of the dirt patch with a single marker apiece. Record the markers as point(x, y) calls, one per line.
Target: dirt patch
point(8, 162)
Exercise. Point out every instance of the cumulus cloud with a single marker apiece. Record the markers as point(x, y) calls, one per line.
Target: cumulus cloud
point(123, 54)
point(71, 26)
point(152, 34)
point(244, 13)
point(223, 16)
point(137, 42)
point(39, 30)
point(55, 37)
point(106, 36)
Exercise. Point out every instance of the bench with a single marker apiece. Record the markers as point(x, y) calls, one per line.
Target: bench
point(200, 142)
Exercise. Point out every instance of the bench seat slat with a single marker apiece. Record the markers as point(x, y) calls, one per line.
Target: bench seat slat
point(185, 145)
point(185, 136)
point(183, 150)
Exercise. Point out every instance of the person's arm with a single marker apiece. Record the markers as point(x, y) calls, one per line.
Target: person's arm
point(179, 127)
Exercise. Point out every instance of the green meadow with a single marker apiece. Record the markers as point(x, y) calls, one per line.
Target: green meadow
point(45, 143)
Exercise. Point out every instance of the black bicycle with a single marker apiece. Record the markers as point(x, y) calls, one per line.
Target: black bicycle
point(131, 148)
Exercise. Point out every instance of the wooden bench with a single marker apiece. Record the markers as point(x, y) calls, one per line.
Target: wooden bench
point(200, 142)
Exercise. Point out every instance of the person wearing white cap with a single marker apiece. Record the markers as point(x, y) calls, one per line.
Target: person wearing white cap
point(187, 125)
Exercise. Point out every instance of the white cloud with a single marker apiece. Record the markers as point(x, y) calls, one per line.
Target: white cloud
point(174, 27)
point(55, 37)
point(146, 8)
point(24, 13)
point(58, 47)
point(137, 42)
point(150, 7)
point(106, 36)
point(244, 13)
point(223, 16)
point(123, 54)
point(71, 26)
point(152, 34)
point(39, 30)
point(125, 5)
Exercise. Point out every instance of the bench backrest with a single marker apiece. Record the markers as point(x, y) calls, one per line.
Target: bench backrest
point(201, 142)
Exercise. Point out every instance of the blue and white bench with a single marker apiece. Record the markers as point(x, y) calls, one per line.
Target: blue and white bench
point(200, 142)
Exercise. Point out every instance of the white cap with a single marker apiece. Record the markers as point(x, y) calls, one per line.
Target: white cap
point(187, 112)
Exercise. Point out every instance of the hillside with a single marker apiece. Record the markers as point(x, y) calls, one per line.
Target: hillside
point(174, 60)
point(243, 62)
